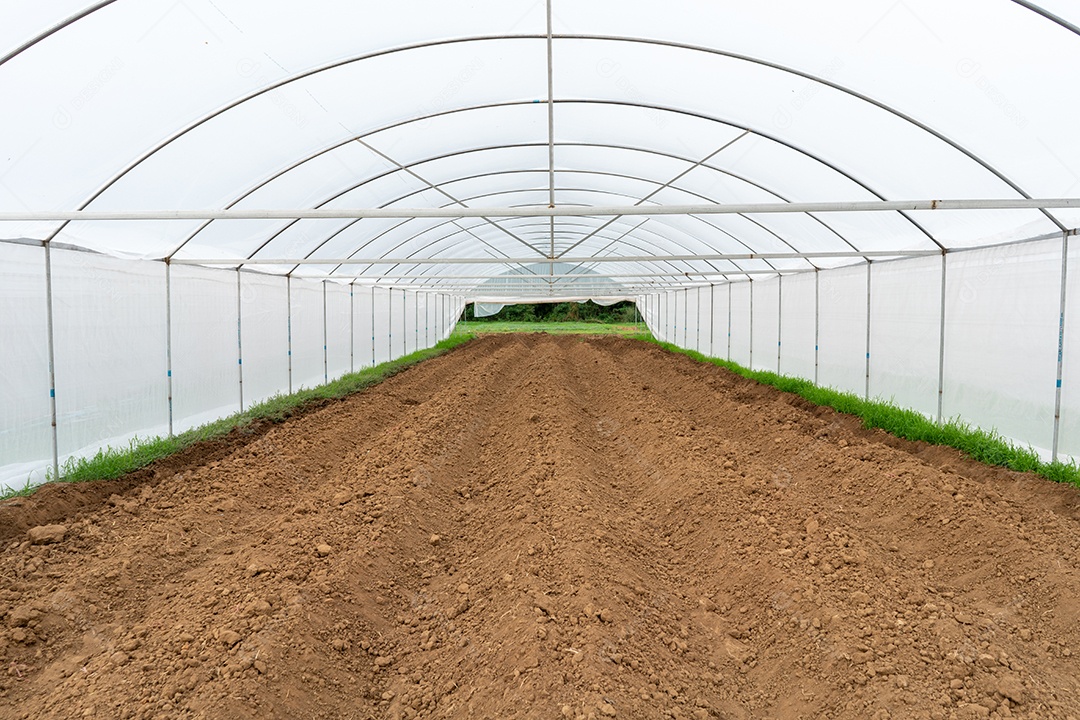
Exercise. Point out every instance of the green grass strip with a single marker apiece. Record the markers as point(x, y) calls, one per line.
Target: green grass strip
point(110, 463)
point(986, 446)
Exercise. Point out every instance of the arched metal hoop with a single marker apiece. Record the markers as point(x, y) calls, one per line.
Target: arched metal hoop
point(647, 41)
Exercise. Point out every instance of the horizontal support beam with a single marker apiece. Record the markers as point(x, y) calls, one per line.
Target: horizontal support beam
point(543, 211)
point(528, 260)
point(579, 276)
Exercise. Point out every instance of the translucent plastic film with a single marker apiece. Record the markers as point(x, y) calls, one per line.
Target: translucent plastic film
point(905, 328)
point(25, 418)
point(264, 305)
point(1001, 339)
point(740, 335)
point(766, 324)
point(109, 324)
point(798, 328)
point(306, 333)
point(206, 350)
point(363, 328)
point(339, 334)
point(842, 313)
point(1069, 433)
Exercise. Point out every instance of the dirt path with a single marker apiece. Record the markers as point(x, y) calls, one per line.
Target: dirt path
point(540, 527)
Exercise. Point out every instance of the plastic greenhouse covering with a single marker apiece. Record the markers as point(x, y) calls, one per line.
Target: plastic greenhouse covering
point(204, 204)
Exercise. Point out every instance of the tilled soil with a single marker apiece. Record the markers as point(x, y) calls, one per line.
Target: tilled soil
point(542, 527)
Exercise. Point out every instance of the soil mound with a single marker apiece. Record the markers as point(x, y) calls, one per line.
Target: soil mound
point(536, 527)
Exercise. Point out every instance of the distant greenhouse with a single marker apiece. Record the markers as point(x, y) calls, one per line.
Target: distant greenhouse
point(206, 204)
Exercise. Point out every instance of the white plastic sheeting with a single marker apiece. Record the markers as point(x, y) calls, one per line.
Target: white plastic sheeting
point(798, 331)
point(905, 323)
point(482, 309)
point(215, 105)
point(110, 345)
point(1070, 395)
point(206, 367)
point(842, 318)
point(1001, 339)
point(25, 419)
point(265, 337)
point(113, 347)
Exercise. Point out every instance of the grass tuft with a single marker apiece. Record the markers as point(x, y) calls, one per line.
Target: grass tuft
point(110, 463)
point(986, 446)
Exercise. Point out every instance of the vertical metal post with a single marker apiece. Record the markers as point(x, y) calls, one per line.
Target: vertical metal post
point(427, 321)
point(352, 329)
point(239, 344)
point(941, 344)
point(817, 323)
point(52, 360)
point(416, 321)
point(1061, 342)
point(712, 319)
point(685, 318)
point(868, 275)
point(288, 298)
point(779, 318)
point(551, 136)
point(697, 340)
point(729, 321)
point(168, 339)
point(373, 363)
point(673, 315)
point(751, 365)
point(325, 338)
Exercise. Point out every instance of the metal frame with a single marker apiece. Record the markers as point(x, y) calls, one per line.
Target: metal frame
point(549, 39)
point(239, 339)
point(561, 211)
point(168, 341)
point(551, 227)
point(1061, 343)
point(679, 111)
point(493, 148)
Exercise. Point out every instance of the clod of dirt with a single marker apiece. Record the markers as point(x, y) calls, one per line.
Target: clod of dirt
point(1010, 686)
point(47, 534)
point(322, 550)
point(229, 637)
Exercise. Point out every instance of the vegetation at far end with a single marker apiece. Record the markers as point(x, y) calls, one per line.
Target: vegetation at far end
point(624, 312)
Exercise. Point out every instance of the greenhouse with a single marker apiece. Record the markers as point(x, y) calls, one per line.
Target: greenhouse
point(208, 206)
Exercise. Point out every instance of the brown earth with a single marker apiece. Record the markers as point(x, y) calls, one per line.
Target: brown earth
point(540, 527)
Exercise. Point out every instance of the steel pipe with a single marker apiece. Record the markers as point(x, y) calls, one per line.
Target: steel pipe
point(520, 261)
point(504, 212)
